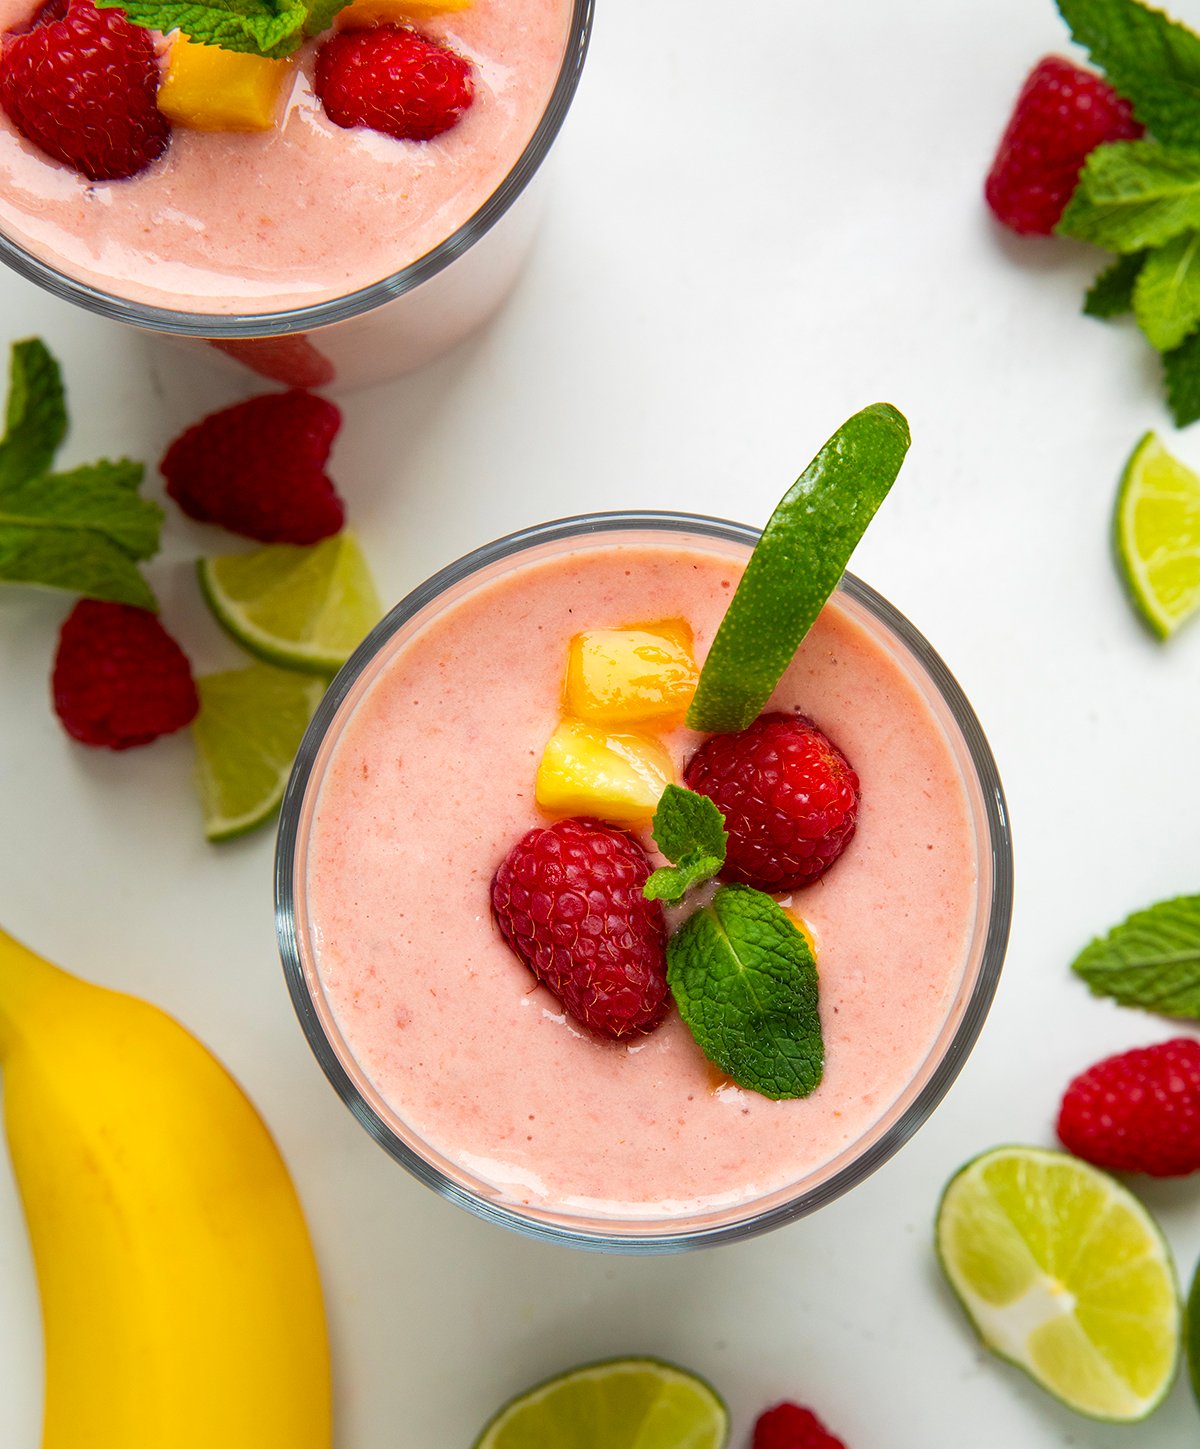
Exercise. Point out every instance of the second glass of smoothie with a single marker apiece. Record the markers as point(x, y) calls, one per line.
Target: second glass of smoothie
point(417, 776)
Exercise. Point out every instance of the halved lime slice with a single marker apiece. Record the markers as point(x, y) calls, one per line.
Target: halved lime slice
point(303, 608)
point(622, 1403)
point(1065, 1274)
point(796, 565)
point(1156, 533)
point(247, 733)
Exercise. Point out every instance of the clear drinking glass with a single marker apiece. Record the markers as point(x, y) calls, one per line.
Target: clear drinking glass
point(394, 325)
point(896, 1122)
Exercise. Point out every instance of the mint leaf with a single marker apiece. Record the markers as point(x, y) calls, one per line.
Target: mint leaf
point(1152, 61)
point(321, 15)
point(1132, 195)
point(1166, 297)
point(273, 28)
point(64, 558)
point(1181, 373)
point(1152, 959)
point(689, 830)
point(36, 417)
point(745, 982)
point(1111, 294)
point(671, 883)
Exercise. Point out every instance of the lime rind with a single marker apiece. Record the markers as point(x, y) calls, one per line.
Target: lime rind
point(1156, 536)
point(1046, 1295)
point(620, 1403)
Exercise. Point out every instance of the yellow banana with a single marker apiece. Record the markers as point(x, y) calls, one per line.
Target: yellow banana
point(180, 1299)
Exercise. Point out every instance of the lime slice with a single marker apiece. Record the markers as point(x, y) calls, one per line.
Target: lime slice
point(1156, 532)
point(1065, 1274)
point(247, 733)
point(796, 565)
point(304, 608)
point(623, 1403)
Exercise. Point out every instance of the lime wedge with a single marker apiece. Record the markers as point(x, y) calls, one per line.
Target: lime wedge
point(1192, 1334)
point(247, 733)
point(796, 565)
point(623, 1403)
point(303, 608)
point(1156, 532)
point(1065, 1274)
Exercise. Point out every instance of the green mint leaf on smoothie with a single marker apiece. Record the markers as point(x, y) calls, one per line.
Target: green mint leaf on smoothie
point(745, 981)
point(1152, 959)
point(273, 28)
point(796, 565)
point(1166, 297)
point(321, 15)
point(1152, 61)
point(1133, 195)
point(1181, 373)
point(36, 417)
point(1111, 294)
point(690, 831)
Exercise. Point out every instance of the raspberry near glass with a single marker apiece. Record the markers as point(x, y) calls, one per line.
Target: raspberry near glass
point(309, 233)
point(435, 1033)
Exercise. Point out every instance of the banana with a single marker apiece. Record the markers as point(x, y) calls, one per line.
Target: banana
point(181, 1304)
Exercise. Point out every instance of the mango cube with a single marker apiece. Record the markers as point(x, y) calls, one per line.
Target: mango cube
point(631, 676)
point(591, 771)
point(395, 12)
point(211, 89)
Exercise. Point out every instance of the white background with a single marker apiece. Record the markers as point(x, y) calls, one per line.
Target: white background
point(761, 218)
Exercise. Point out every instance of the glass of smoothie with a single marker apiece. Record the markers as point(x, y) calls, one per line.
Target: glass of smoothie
point(417, 776)
point(313, 253)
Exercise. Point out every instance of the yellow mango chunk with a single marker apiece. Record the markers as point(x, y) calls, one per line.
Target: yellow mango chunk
point(631, 676)
point(395, 12)
point(590, 771)
point(211, 89)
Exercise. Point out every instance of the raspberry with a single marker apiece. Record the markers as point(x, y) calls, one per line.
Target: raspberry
point(568, 900)
point(1061, 115)
point(788, 1426)
point(788, 795)
point(1138, 1111)
point(119, 678)
point(80, 83)
point(258, 468)
point(393, 79)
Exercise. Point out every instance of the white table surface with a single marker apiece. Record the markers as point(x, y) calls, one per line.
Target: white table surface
point(760, 219)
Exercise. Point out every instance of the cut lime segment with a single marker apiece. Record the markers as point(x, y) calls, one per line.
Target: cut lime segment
point(1065, 1274)
point(624, 1403)
point(796, 565)
point(247, 733)
point(1156, 532)
point(304, 608)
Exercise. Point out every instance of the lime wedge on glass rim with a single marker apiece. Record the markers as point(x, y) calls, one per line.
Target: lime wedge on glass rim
point(624, 1403)
point(299, 607)
point(1156, 534)
point(1064, 1273)
point(796, 565)
point(249, 728)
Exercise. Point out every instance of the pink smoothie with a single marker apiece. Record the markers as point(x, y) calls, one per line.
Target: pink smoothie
point(254, 223)
point(430, 782)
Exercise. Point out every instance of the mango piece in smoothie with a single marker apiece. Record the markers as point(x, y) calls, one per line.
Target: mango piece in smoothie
point(638, 675)
point(615, 776)
point(211, 89)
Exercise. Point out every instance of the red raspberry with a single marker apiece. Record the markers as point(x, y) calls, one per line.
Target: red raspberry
point(788, 795)
point(1061, 115)
point(81, 83)
point(788, 1426)
point(568, 900)
point(1138, 1111)
point(258, 468)
point(119, 678)
point(393, 79)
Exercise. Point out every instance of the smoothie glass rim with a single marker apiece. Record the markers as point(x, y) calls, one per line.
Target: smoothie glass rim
point(220, 326)
point(637, 1236)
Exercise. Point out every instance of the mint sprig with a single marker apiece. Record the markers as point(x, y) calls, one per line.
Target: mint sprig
point(1111, 294)
point(1151, 959)
point(271, 28)
point(690, 831)
point(745, 982)
point(1166, 295)
point(84, 530)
